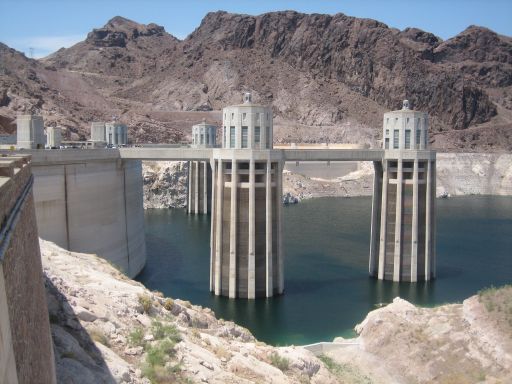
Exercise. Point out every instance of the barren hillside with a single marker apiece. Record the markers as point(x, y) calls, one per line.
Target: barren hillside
point(328, 78)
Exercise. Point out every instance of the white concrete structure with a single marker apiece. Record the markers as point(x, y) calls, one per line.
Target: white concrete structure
point(403, 210)
point(30, 133)
point(247, 126)
point(116, 133)
point(199, 172)
point(113, 133)
point(98, 132)
point(246, 256)
point(91, 201)
point(204, 135)
point(53, 137)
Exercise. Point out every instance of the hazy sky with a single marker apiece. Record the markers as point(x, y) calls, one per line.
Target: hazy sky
point(47, 25)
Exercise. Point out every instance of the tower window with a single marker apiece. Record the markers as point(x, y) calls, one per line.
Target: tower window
point(418, 138)
point(396, 138)
point(244, 136)
point(407, 138)
point(244, 115)
point(231, 137)
point(267, 131)
point(202, 138)
point(387, 132)
point(257, 135)
point(386, 143)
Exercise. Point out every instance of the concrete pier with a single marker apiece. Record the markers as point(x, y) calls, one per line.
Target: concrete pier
point(199, 172)
point(199, 187)
point(404, 201)
point(246, 257)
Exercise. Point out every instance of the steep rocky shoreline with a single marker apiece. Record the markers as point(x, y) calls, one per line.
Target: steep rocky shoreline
point(107, 328)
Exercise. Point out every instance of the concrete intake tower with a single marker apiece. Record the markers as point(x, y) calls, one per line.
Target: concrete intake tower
point(199, 172)
point(403, 210)
point(246, 257)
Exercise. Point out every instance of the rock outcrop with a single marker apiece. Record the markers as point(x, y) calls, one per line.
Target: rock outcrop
point(107, 328)
point(165, 184)
point(328, 75)
point(454, 343)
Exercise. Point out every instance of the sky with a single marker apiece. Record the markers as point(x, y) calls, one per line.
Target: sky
point(47, 25)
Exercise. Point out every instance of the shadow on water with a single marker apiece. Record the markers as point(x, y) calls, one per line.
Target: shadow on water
point(327, 288)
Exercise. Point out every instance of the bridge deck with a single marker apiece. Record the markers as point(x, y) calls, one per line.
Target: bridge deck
point(287, 154)
point(66, 156)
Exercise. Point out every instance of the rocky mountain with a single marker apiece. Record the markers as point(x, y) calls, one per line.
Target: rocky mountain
point(327, 77)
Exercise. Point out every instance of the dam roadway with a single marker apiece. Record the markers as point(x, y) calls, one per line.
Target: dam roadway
point(204, 154)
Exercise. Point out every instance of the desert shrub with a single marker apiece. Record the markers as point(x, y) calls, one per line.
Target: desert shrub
point(221, 352)
point(136, 338)
point(156, 368)
point(146, 302)
point(344, 371)
point(165, 331)
point(98, 336)
point(168, 304)
point(279, 362)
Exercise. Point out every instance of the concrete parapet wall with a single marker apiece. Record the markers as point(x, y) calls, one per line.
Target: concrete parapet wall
point(23, 308)
point(7, 361)
point(323, 347)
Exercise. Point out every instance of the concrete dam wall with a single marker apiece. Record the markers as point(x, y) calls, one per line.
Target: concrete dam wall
point(26, 352)
point(92, 202)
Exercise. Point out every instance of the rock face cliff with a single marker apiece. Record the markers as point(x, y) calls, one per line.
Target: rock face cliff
point(328, 78)
point(165, 184)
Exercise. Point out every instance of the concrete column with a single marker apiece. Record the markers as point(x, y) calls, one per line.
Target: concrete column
point(189, 203)
point(414, 234)
point(398, 222)
point(218, 226)
point(433, 234)
point(279, 193)
point(196, 187)
point(251, 270)
point(212, 227)
point(376, 199)
point(232, 229)
point(383, 219)
point(268, 232)
point(205, 187)
point(428, 215)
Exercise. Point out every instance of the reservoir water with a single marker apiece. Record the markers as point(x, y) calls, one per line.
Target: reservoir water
point(326, 242)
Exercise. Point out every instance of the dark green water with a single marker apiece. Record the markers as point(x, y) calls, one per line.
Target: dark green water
point(326, 242)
